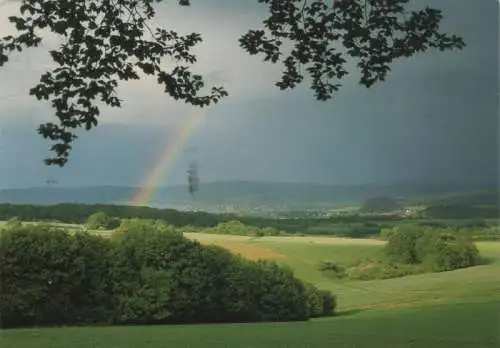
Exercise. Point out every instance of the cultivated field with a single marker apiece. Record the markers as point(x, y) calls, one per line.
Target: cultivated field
point(451, 309)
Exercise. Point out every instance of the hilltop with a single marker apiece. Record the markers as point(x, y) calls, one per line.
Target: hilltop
point(254, 196)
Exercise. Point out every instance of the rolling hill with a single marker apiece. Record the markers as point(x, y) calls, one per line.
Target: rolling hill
point(248, 195)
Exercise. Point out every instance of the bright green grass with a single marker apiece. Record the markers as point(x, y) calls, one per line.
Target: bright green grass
point(304, 253)
point(450, 309)
point(471, 284)
point(304, 258)
point(471, 325)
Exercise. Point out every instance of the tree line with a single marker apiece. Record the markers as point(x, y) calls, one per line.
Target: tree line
point(78, 213)
point(353, 226)
point(410, 250)
point(146, 273)
point(347, 226)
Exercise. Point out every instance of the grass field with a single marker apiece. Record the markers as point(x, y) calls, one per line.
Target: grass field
point(451, 309)
point(470, 325)
point(304, 253)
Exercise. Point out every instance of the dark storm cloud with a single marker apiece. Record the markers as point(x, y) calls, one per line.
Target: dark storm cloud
point(434, 119)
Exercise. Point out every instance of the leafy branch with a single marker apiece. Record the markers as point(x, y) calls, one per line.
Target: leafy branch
point(105, 42)
point(373, 32)
point(101, 46)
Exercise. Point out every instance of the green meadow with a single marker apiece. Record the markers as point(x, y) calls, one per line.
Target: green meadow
point(480, 283)
point(451, 309)
point(457, 325)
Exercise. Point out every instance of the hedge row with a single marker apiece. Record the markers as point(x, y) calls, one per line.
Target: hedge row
point(411, 250)
point(436, 248)
point(146, 274)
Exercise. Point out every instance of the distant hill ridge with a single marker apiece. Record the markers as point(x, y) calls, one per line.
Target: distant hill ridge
point(253, 194)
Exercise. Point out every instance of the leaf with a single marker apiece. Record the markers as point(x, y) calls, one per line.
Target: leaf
point(103, 44)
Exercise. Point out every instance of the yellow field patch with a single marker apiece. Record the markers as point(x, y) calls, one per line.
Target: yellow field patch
point(248, 251)
point(322, 240)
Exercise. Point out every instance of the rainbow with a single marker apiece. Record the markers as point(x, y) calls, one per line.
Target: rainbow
point(172, 149)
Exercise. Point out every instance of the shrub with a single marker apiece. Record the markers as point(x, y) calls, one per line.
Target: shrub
point(437, 249)
point(262, 291)
point(279, 295)
point(386, 232)
point(320, 302)
point(370, 270)
point(148, 273)
point(101, 220)
point(13, 223)
point(144, 285)
point(411, 250)
point(445, 251)
point(332, 269)
point(235, 227)
point(50, 277)
point(145, 225)
point(270, 231)
point(315, 301)
point(210, 284)
point(401, 245)
point(362, 232)
point(482, 233)
point(329, 302)
point(167, 278)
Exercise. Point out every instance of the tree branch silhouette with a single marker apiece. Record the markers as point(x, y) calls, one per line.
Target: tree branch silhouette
point(105, 43)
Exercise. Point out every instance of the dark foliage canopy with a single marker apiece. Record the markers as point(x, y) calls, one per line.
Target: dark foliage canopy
point(147, 273)
point(105, 42)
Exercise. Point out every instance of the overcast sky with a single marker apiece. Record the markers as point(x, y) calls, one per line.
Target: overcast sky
point(435, 119)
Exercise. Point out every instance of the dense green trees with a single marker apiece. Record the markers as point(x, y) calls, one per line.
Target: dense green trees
point(49, 277)
point(402, 242)
point(101, 220)
point(436, 249)
point(410, 250)
point(146, 273)
point(446, 251)
point(79, 213)
point(355, 226)
point(238, 228)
